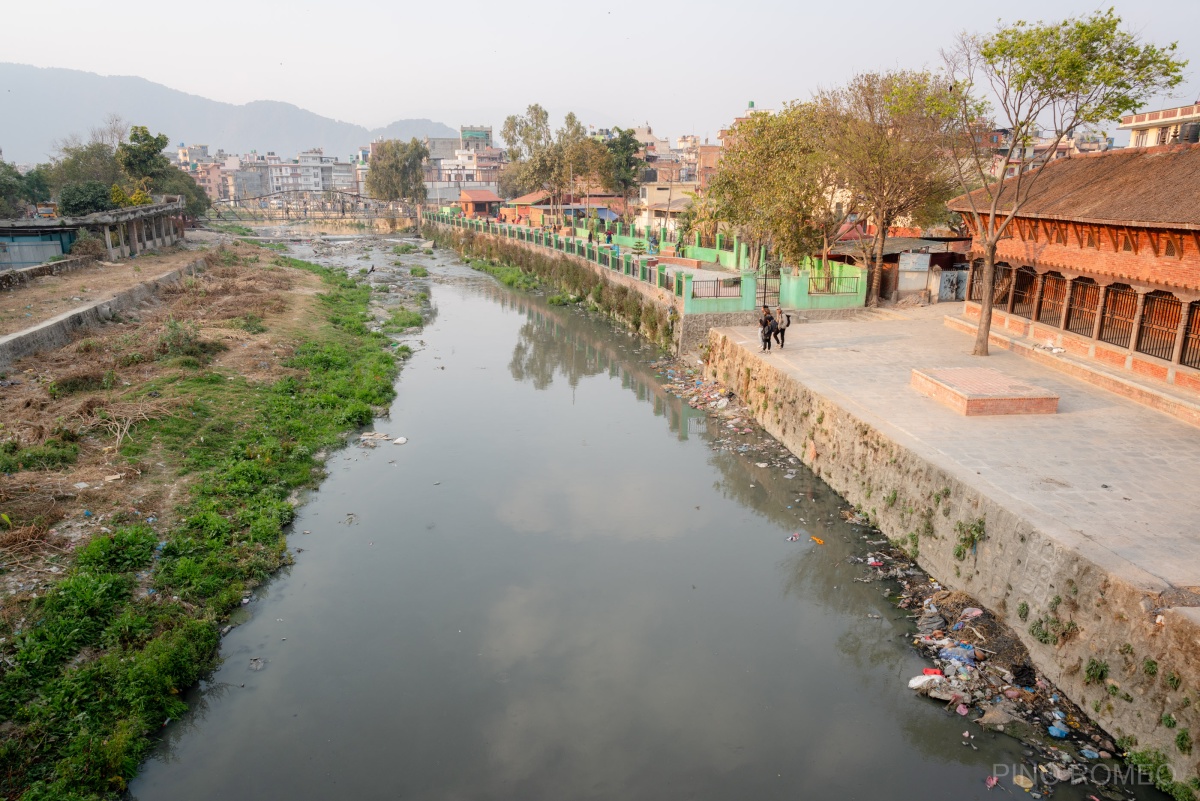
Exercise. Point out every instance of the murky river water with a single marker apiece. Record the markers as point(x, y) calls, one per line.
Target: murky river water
point(558, 590)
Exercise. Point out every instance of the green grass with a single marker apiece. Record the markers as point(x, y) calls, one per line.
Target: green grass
point(232, 228)
point(401, 320)
point(50, 455)
point(98, 663)
point(506, 274)
point(404, 250)
point(418, 272)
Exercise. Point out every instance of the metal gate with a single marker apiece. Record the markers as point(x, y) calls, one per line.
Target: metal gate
point(953, 285)
point(768, 291)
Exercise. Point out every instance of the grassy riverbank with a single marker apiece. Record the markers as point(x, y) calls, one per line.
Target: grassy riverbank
point(95, 665)
point(521, 268)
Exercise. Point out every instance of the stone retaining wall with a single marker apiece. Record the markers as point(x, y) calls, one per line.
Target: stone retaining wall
point(1026, 568)
point(59, 331)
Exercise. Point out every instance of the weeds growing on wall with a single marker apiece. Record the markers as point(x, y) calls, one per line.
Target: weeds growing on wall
point(97, 664)
point(501, 258)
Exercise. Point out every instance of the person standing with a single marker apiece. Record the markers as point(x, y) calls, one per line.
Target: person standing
point(782, 321)
point(767, 328)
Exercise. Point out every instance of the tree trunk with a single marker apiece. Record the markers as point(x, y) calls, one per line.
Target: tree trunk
point(985, 300)
point(877, 277)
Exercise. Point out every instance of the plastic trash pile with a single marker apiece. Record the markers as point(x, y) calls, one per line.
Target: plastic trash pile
point(1062, 747)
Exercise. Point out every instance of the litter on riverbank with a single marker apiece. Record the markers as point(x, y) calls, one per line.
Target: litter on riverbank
point(979, 668)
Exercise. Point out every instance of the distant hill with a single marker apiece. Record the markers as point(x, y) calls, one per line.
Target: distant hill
point(40, 105)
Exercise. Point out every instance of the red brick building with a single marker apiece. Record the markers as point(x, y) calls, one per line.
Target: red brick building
point(1104, 261)
point(479, 202)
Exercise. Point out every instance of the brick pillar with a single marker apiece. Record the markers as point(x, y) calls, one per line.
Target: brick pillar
point(1038, 285)
point(1100, 311)
point(1177, 351)
point(1137, 321)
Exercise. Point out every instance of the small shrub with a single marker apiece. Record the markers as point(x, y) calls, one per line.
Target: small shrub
point(1173, 680)
point(183, 340)
point(253, 324)
point(85, 381)
point(1023, 610)
point(1096, 672)
point(126, 549)
point(418, 272)
point(1169, 721)
point(890, 500)
point(88, 245)
point(1183, 741)
point(969, 536)
point(1127, 649)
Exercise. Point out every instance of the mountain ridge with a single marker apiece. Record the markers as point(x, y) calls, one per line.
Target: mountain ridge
point(45, 104)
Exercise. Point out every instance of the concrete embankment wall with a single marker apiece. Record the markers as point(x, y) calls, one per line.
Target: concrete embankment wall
point(656, 310)
point(11, 279)
point(1097, 608)
point(59, 331)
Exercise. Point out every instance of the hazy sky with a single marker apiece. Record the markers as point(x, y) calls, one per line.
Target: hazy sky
point(684, 67)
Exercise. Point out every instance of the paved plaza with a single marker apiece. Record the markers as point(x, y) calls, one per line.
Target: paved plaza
point(1105, 474)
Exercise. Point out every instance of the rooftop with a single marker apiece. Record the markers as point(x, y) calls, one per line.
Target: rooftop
point(1149, 187)
point(479, 196)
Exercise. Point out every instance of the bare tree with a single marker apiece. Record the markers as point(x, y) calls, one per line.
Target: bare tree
point(1061, 76)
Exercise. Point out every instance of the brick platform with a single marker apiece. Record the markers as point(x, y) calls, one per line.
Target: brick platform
point(976, 391)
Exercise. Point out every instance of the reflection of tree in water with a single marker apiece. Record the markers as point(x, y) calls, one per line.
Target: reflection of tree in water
point(575, 346)
point(545, 348)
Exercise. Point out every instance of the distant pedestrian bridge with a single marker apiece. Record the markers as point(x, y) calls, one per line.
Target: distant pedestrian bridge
point(303, 205)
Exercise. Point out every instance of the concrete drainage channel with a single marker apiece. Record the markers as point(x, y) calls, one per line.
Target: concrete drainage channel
point(59, 331)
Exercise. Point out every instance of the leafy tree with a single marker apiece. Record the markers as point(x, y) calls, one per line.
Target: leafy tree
point(625, 164)
point(37, 184)
point(526, 135)
point(178, 182)
point(398, 171)
point(12, 191)
point(778, 184)
point(86, 197)
point(540, 159)
point(78, 163)
point(887, 142)
point(1079, 72)
point(142, 156)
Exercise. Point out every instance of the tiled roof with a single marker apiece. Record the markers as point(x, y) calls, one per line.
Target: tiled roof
point(1153, 187)
point(479, 196)
point(532, 199)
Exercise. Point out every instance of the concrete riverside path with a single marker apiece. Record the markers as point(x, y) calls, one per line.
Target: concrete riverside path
point(1122, 478)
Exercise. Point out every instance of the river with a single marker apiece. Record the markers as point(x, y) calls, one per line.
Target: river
point(560, 589)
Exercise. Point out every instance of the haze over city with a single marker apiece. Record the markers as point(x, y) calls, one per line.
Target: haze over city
point(683, 68)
